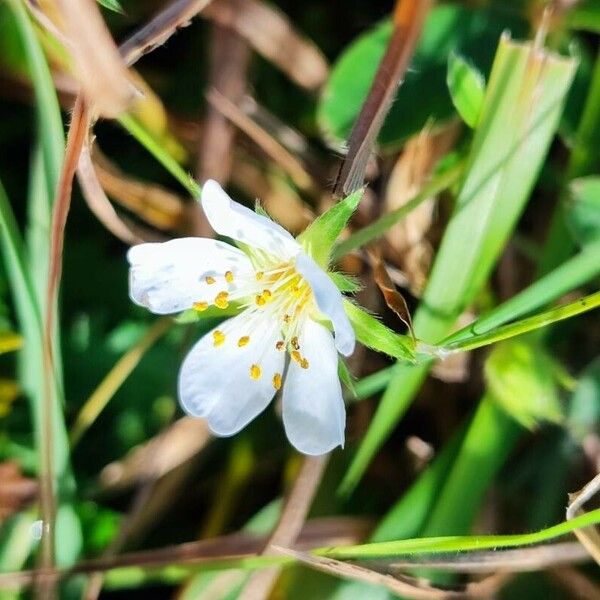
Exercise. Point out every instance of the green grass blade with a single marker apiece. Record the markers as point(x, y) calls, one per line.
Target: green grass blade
point(146, 139)
point(52, 138)
point(523, 103)
point(379, 227)
point(435, 545)
point(129, 577)
point(574, 272)
point(554, 315)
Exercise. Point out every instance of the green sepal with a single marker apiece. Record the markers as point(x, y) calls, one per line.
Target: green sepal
point(375, 335)
point(320, 236)
point(345, 283)
point(347, 378)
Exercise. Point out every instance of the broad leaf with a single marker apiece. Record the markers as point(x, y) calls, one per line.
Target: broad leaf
point(467, 88)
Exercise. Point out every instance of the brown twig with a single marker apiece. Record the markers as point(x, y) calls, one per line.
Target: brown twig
point(409, 17)
point(401, 587)
point(75, 139)
point(315, 533)
point(290, 524)
point(276, 151)
point(160, 28)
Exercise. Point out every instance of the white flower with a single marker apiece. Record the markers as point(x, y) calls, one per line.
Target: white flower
point(281, 337)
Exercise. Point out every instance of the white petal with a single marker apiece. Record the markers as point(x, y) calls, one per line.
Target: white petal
point(215, 382)
point(313, 409)
point(233, 220)
point(330, 302)
point(169, 277)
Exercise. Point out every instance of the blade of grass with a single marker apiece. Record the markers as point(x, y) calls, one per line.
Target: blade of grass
point(167, 568)
point(523, 103)
point(441, 182)
point(28, 297)
point(554, 315)
point(574, 272)
point(143, 136)
point(443, 544)
point(101, 396)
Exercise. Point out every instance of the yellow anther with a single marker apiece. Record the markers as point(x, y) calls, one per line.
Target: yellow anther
point(280, 345)
point(218, 337)
point(210, 280)
point(267, 294)
point(255, 372)
point(277, 381)
point(200, 306)
point(259, 300)
point(287, 318)
point(243, 341)
point(296, 356)
point(296, 290)
point(229, 276)
point(304, 363)
point(295, 344)
point(259, 275)
point(221, 301)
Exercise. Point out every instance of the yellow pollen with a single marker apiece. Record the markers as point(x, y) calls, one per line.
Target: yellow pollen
point(280, 345)
point(267, 294)
point(243, 340)
point(210, 280)
point(286, 318)
point(296, 356)
point(218, 338)
point(304, 363)
point(229, 276)
point(221, 300)
point(277, 381)
point(295, 344)
point(296, 290)
point(259, 300)
point(255, 372)
point(200, 306)
point(259, 275)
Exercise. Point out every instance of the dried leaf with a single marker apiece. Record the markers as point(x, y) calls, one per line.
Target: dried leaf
point(16, 491)
point(393, 298)
point(161, 454)
point(100, 69)
point(410, 250)
point(272, 35)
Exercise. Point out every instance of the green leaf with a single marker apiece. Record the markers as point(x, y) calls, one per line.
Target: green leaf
point(375, 335)
point(320, 236)
point(423, 95)
point(467, 88)
point(113, 5)
point(523, 103)
point(585, 16)
point(583, 210)
point(519, 377)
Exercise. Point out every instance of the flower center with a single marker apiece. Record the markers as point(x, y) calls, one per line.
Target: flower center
point(277, 300)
